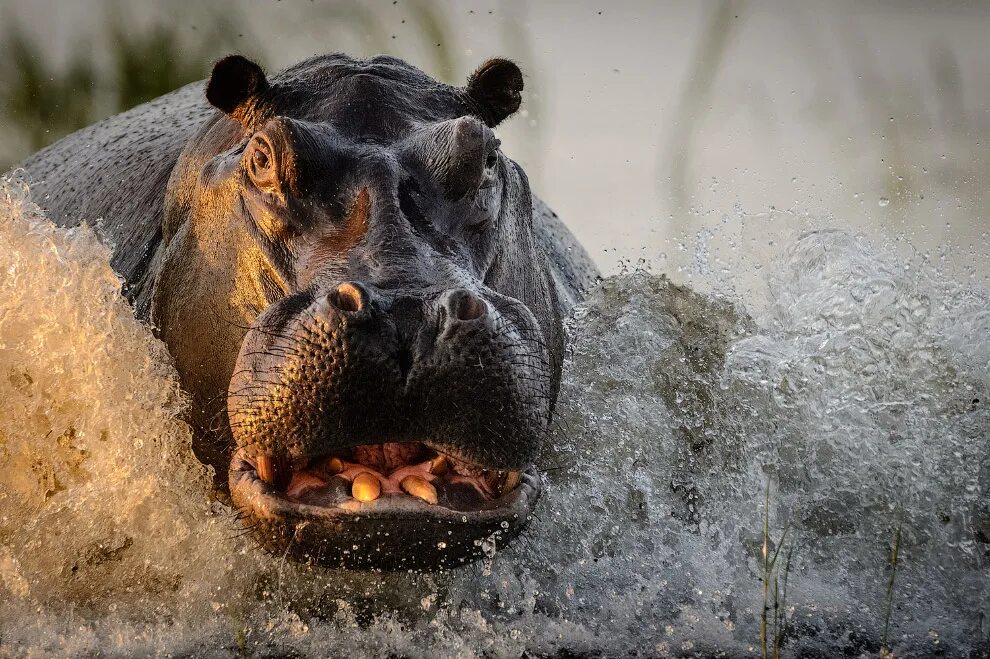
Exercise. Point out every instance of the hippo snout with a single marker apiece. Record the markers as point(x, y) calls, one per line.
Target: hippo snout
point(369, 399)
point(360, 365)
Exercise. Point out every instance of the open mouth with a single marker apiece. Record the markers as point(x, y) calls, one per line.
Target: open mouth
point(389, 505)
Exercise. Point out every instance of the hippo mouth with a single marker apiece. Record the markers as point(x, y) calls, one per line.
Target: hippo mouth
point(388, 506)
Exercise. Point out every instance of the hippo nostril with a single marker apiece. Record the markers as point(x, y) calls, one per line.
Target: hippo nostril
point(405, 358)
point(349, 297)
point(465, 305)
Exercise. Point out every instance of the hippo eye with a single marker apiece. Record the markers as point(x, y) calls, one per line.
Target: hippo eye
point(261, 165)
point(492, 158)
point(259, 160)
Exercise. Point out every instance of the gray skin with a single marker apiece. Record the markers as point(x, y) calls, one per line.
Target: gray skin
point(339, 256)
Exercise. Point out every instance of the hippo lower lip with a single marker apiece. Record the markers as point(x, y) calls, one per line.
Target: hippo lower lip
point(312, 511)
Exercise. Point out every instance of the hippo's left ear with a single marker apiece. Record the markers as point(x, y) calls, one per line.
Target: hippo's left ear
point(495, 89)
point(234, 88)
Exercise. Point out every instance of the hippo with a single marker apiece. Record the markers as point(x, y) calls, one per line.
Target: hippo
point(360, 293)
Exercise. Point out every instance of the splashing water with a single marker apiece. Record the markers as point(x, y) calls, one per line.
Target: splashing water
point(858, 390)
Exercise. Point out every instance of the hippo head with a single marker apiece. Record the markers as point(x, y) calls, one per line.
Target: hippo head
point(354, 298)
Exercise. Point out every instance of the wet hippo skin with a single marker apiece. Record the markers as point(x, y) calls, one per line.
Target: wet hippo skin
point(358, 289)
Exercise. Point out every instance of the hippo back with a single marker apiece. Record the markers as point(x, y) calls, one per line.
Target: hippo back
point(114, 174)
point(572, 268)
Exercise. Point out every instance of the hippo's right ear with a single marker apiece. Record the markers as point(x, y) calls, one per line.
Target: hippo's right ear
point(234, 88)
point(495, 89)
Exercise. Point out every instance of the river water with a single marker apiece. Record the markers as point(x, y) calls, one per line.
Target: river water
point(829, 412)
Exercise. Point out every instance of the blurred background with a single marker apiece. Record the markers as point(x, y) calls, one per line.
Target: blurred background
point(657, 130)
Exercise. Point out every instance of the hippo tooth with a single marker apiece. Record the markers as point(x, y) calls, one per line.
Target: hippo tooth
point(365, 487)
point(421, 488)
point(512, 480)
point(266, 469)
point(335, 465)
point(438, 465)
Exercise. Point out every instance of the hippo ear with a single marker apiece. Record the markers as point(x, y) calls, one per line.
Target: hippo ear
point(495, 88)
point(234, 87)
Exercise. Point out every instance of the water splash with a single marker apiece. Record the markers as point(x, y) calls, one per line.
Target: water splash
point(858, 388)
